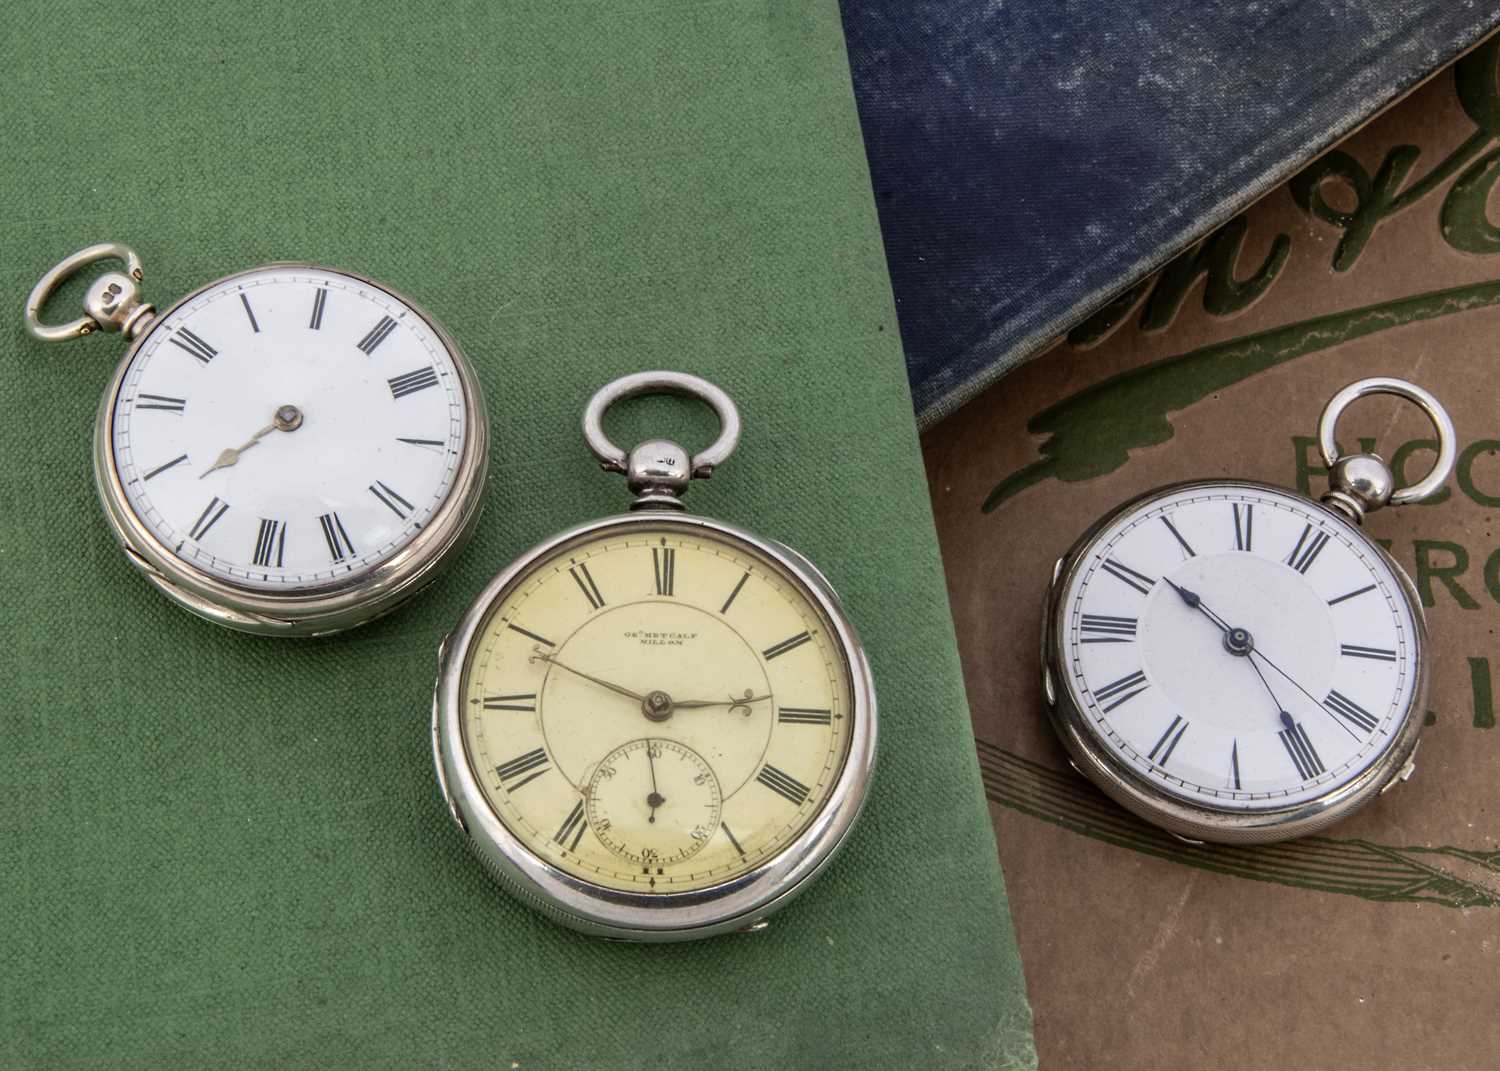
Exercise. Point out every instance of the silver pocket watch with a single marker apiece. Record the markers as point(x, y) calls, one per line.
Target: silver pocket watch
point(1237, 663)
point(654, 725)
point(289, 450)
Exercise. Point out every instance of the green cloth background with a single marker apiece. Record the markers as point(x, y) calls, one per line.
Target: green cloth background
point(224, 851)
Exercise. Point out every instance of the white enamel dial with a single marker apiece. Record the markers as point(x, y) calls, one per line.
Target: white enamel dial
point(288, 428)
point(1238, 647)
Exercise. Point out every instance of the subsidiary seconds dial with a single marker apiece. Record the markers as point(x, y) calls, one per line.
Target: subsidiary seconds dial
point(1238, 647)
point(653, 802)
point(289, 428)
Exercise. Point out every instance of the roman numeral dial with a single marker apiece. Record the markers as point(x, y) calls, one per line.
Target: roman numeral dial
point(585, 581)
point(783, 784)
point(1234, 646)
point(418, 379)
point(520, 701)
point(791, 643)
point(683, 686)
point(523, 769)
point(1244, 525)
point(1134, 579)
point(270, 544)
point(211, 515)
point(1161, 751)
point(572, 829)
point(160, 402)
point(376, 335)
point(1117, 693)
point(391, 499)
point(664, 564)
point(194, 346)
point(1107, 628)
point(336, 537)
point(327, 411)
point(1300, 748)
point(1309, 545)
point(320, 299)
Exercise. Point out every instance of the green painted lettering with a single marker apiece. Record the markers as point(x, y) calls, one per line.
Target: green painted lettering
point(1309, 461)
point(1465, 467)
point(1378, 199)
point(1492, 574)
point(1484, 704)
point(1447, 575)
point(1464, 221)
point(1214, 260)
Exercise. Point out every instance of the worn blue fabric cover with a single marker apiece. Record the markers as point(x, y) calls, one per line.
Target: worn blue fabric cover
point(1031, 158)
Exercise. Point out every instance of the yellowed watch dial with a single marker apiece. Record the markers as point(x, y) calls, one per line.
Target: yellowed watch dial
point(656, 708)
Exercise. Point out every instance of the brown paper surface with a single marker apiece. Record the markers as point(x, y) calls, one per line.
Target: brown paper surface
point(1378, 943)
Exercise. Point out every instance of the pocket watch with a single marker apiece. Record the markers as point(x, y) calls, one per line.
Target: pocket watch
point(290, 450)
point(1237, 663)
point(655, 726)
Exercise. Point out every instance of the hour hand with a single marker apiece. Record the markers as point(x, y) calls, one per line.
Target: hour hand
point(1196, 603)
point(288, 418)
point(732, 703)
point(225, 459)
point(1189, 597)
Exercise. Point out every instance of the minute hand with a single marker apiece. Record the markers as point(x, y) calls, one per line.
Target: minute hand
point(1314, 699)
point(601, 682)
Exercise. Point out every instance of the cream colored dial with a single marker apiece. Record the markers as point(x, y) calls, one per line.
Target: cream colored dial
point(667, 651)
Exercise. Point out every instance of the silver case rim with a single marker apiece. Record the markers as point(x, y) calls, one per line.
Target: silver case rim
point(666, 916)
point(1100, 765)
point(334, 607)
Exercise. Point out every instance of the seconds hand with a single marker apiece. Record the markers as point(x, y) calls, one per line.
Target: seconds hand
point(656, 799)
point(1192, 599)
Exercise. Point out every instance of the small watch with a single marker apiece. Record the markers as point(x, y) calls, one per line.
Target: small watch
point(1235, 662)
point(290, 450)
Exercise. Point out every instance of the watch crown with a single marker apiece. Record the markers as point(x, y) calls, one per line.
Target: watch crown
point(657, 472)
point(113, 302)
point(1360, 484)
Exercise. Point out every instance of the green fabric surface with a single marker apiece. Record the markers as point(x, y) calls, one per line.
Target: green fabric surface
point(226, 851)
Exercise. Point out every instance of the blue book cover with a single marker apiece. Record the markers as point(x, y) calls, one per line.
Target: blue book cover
point(1032, 160)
